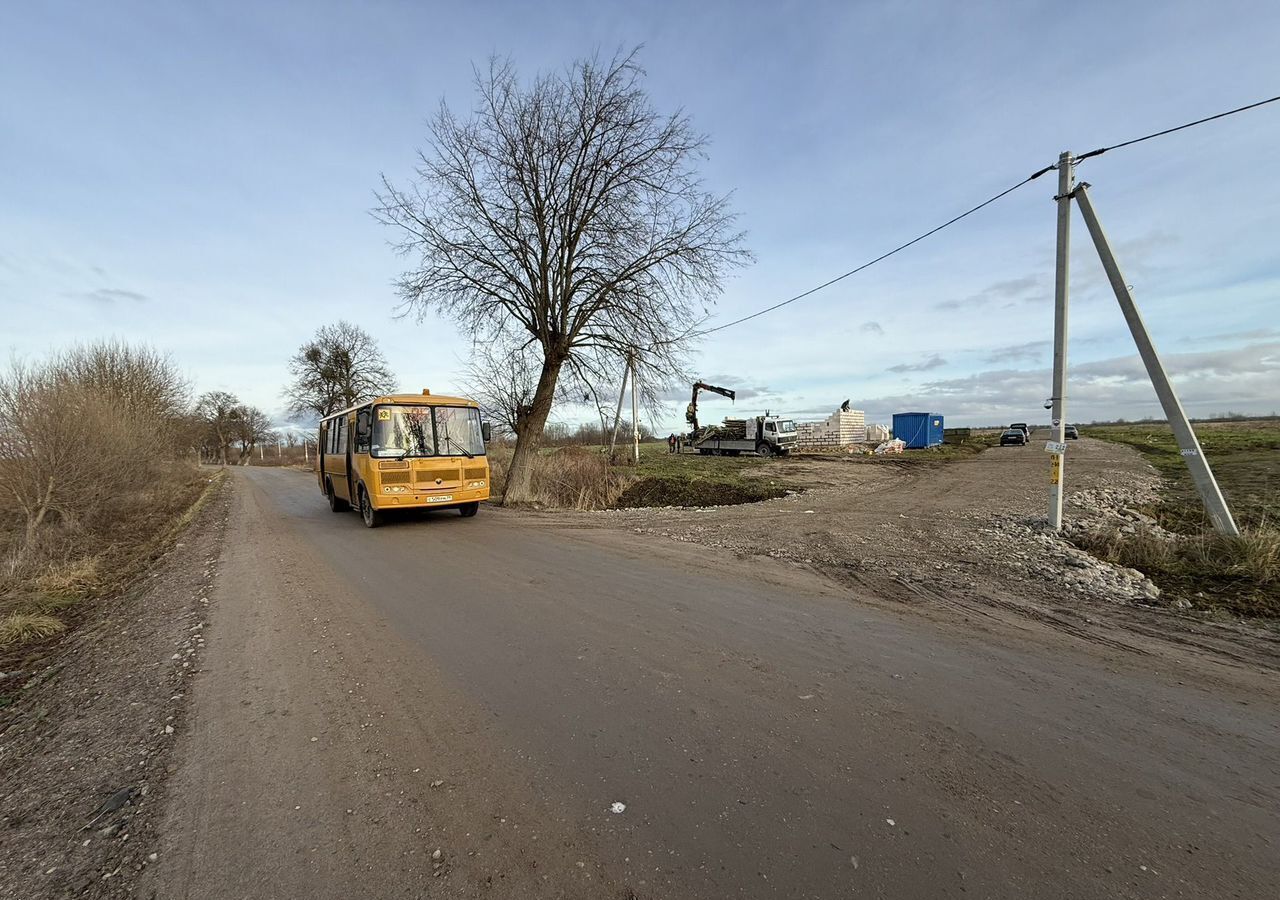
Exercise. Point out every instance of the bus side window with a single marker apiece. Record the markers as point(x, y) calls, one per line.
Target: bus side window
point(342, 436)
point(364, 428)
point(323, 443)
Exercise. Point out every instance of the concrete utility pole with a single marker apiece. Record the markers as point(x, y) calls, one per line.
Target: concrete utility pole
point(1058, 402)
point(635, 418)
point(617, 415)
point(1214, 503)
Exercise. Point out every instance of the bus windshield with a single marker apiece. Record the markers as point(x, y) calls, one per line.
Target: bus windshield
point(400, 431)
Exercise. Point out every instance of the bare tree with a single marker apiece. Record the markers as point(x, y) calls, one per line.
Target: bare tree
point(568, 212)
point(250, 427)
point(337, 368)
point(219, 411)
point(501, 377)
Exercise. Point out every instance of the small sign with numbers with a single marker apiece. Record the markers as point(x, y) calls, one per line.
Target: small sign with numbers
point(1055, 447)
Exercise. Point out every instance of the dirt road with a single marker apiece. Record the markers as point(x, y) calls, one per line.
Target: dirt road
point(450, 707)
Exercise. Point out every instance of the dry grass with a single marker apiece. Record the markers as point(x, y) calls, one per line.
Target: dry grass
point(68, 567)
point(77, 576)
point(566, 478)
point(1238, 574)
point(1254, 554)
point(21, 628)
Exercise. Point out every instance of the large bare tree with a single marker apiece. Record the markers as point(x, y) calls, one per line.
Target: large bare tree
point(566, 212)
point(337, 368)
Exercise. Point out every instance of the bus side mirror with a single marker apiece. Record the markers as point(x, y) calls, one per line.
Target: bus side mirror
point(486, 432)
point(362, 422)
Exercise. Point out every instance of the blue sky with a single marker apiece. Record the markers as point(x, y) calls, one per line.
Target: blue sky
point(199, 176)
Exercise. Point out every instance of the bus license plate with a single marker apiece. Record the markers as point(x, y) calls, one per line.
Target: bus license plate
point(443, 498)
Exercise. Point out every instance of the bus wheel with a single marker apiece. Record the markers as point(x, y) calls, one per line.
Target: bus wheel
point(370, 516)
point(335, 504)
point(469, 509)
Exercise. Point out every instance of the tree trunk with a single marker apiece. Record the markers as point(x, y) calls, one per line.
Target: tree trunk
point(35, 518)
point(520, 475)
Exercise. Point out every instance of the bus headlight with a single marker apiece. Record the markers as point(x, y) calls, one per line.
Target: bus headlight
point(476, 484)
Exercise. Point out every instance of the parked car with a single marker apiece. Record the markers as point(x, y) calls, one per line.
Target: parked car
point(1072, 433)
point(1015, 436)
point(1026, 429)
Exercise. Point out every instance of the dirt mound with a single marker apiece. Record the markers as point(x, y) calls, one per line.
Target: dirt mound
point(647, 492)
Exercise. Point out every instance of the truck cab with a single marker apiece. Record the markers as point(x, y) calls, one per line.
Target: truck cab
point(773, 432)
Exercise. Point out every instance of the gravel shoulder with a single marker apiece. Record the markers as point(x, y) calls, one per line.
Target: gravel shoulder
point(86, 752)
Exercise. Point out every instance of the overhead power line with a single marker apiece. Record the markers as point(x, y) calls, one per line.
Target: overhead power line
point(881, 257)
point(971, 211)
point(1156, 134)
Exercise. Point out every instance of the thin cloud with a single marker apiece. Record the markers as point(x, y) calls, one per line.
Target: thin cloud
point(1256, 334)
point(1032, 350)
point(872, 328)
point(109, 296)
point(933, 362)
point(1025, 287)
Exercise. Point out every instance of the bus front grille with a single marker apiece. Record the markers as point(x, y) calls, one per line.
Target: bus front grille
point(474, 472)
point(430, 478)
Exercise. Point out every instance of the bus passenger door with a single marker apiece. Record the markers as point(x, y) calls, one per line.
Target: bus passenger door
point(338, 465)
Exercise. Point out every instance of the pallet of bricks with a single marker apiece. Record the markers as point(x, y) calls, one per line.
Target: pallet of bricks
point(840, 429)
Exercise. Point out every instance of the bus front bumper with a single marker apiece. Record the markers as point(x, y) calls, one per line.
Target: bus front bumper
point(424, 499)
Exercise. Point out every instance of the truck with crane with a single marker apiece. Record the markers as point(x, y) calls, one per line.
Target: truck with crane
point(765, 435)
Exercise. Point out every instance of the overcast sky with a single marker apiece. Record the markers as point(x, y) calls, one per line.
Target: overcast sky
point(199, 176)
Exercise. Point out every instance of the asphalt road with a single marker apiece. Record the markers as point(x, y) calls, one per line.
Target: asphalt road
point(488, 688)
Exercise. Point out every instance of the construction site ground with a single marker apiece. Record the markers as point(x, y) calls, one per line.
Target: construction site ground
point(965, 537)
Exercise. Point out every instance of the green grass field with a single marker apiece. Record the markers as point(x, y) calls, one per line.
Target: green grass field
point(689, 479)
point(1244, 456)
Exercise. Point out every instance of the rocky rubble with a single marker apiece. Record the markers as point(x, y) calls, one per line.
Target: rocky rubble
point(1030, 550)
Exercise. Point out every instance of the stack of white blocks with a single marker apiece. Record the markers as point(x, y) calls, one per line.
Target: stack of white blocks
point(840, 429)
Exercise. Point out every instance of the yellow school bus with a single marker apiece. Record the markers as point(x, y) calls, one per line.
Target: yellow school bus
point(404, 451)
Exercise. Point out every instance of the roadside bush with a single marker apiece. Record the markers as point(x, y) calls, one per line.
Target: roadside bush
point(87, 458)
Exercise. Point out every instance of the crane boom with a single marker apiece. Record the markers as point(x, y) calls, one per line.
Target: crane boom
point(691, 413)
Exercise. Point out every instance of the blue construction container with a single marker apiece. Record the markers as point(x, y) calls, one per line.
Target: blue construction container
point(918, 429)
